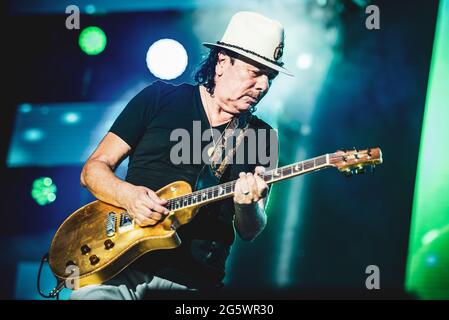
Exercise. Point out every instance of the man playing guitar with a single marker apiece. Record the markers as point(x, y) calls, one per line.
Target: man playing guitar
point(236, 75)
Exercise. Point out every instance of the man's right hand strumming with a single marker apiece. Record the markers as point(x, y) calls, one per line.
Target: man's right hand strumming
point(98, 176)
point(144, 205)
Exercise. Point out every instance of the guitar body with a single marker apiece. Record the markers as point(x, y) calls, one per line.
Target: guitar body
point(82, 242)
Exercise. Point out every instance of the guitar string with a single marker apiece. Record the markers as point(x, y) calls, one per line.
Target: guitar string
point(231, 184)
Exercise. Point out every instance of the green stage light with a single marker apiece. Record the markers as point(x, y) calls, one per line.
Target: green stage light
point(43, 191)
point(428, 256)
point(92, 40)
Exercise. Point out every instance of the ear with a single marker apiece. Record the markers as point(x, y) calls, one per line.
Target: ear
point(221, 63)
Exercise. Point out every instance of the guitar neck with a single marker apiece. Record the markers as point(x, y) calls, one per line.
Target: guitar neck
point(226, 190)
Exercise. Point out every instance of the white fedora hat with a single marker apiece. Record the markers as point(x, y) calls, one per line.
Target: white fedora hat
point(254, 36)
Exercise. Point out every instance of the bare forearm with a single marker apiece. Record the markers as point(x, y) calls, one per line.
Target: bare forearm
point(250, 219)
point(101, 181)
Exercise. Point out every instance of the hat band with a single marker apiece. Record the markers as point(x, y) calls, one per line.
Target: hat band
point(280, 64)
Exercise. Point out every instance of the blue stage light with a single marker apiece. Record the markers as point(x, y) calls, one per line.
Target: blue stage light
point(71, 117)
point(33, 134)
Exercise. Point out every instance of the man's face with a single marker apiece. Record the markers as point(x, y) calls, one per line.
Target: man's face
point(242, 84)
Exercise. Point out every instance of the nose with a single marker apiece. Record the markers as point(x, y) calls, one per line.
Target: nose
point(263, 83)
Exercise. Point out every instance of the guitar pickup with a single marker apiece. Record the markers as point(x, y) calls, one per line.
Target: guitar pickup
point(110, 224)
point(126, 222)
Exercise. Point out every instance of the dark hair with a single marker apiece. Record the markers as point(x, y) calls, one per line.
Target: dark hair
point(205, 74)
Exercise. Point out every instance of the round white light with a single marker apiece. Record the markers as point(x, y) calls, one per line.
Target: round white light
point(166, 59)
point(304, 61)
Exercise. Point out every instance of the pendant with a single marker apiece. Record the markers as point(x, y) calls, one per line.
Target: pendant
point(210, 151)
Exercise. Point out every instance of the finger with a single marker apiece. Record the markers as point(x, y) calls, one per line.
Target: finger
point(143, 221)
point(145, 203)
point(239, 197)
point(145, 207)
point(155, 216)
point(155, 205)
point(156, 198)
point(262, 186)
point(252, 184)
point(159, 209)
point(244, 187)
point(147, 221)
point(137, 220)
point(153, 196)
point(259, 170)
point(143, 212)
point(237, 190)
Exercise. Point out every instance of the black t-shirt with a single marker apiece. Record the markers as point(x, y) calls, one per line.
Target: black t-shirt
point(146, 124)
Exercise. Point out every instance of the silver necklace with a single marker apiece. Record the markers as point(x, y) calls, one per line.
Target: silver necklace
point(209, 119)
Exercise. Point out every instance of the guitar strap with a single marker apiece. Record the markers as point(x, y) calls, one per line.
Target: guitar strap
point(235, 131)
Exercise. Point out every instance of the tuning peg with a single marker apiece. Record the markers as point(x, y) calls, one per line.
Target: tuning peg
point(360, 170)
point(348, 173)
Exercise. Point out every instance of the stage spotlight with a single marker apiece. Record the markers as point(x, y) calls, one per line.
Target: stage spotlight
point(92, 40)
point(167, 59)
point(90, 9)
point(430, 236)
point(430, 268)
point(43, 191)
point(33, 134)
point(71, 117)
point(25, 108)
point(431, 260)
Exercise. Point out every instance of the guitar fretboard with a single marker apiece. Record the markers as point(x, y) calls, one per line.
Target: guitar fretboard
point(226, 190)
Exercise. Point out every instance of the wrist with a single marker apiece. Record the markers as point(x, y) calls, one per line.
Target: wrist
point(122, 191)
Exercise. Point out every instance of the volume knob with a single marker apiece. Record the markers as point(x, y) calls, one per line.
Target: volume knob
point(94, 259)
point(108, 244)
point(85, 249)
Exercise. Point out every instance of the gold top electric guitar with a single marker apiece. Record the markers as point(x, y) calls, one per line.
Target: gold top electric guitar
point(99, 240)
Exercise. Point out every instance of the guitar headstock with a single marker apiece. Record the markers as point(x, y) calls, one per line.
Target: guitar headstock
point(355, 161)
